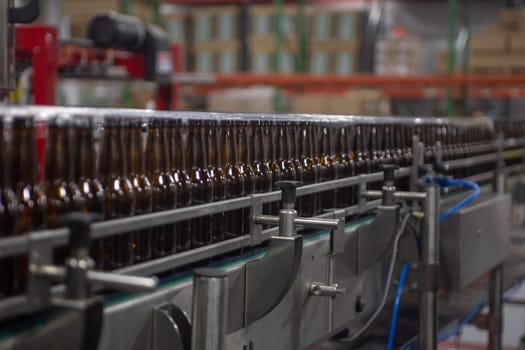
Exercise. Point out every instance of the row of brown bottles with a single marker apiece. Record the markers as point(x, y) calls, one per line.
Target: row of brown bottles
point(143, 165)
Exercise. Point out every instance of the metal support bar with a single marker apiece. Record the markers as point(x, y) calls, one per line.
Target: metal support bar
point(397, 195)
point(210, 309)
point(106, 279)
point(496, 308)
point(428, 308)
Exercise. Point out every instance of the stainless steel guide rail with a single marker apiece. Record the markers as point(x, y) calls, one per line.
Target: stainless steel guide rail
point(18, 245)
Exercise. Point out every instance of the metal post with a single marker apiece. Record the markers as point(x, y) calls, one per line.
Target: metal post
point(7, 63)
point(428, 308)
point(417, 161)
point(210, 309)
point(287, 216)
point(496, 308)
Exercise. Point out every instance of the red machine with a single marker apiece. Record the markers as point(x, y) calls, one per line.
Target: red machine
point(150, 57)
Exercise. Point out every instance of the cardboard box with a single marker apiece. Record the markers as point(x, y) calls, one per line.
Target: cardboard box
point(517, 42)
point(334, 23)
point(262, 61)
point(215, 23)
point(341, 61)
point(267, 43)
point(262, 20)
point(491, 41)
point(256, 99)
point(309, 104)
point(216, 57)
point(516, 62)
point(512, 18)
point(489, 63)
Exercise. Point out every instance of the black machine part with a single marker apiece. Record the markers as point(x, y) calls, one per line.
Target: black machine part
point(113, 30)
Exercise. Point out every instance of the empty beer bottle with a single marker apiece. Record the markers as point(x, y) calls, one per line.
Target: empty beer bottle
point(85, 178)
point(245, 136)
point(8, 220)
point(327, 167)
point(164, 189)
point(362, 158)
point(271, 137)
point(293, 136)
point(202, 184)
point(142, 187)
point(177, 141)
point(259, 157)
point(215, 141)
point(62, 193)
point(308, 203)
point(346, 166)
point(285, 162)
point(32, 202)
point(376, 156)
point(118, 251)
point(235, 182)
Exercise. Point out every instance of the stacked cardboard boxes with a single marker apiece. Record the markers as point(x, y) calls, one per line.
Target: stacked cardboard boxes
point(335, 40)
point(264, 56)
point(397, 56)
point(215, 39)
point(255, 99)
point(500, 49)
point(353, 102)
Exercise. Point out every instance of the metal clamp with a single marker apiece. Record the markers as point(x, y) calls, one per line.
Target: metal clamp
point(326, 290)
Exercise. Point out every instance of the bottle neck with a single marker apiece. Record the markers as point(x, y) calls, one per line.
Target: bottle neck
point(258, 154)
point(154, 149)
point(241, 144)
point(56, 156)
point(211, 144)
point(283, 143)
point(23, 153)
point(196, 140)
point(83, 139)
point(112, 162)
point(229, 147)
point(135, 156)
point(177, 147)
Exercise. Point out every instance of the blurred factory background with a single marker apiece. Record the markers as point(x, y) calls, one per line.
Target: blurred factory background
point(456, 57)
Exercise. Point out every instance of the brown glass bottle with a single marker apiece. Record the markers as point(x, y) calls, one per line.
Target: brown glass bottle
point(308, 203)
point(285, 162)
point(376, 156)
point(235, 182)
point(260, 163)
point(327, 168)
point(346, 166)
point(362, 157)
point(271, 136)
point(32, 202)
point(8, 220)
point(177, 135)
point(118, 251)
point(244, 140)
point(293, 138)
point(142, 203)
point(62, 194)
point(202, 184)
point(85, 178)
point(164, 188)
point(215, 140)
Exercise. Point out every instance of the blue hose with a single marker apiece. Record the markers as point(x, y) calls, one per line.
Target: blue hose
point(444, 182)
point(393, 321)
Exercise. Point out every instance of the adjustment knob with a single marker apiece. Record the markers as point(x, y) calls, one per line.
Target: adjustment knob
point(79, 227)
point(288, 189)
point(389, 171)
